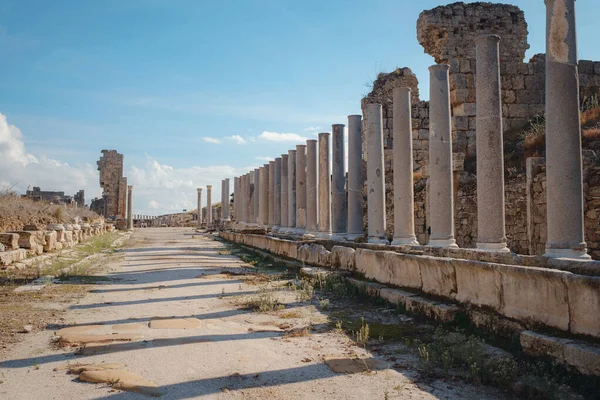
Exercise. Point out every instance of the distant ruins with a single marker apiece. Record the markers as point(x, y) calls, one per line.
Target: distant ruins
point(113, 203)
point(54, 197)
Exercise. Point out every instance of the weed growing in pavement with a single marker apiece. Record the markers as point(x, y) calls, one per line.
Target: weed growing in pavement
point(324, 303)
point(361, 336)
point(264, 301)
point(304, 290)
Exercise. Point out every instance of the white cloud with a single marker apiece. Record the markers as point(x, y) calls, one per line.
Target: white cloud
point(237, 139)
point(211, 140)
point(281, 137)
point(153, 204)
point(312, 129)
point(262, 158)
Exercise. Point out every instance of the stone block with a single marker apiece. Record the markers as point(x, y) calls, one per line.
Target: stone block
point(285, 248)
point(10, 240)
point(404, 270)
point(535, 295)
point(438, 276)
point(343, 257)
point(12, 256)
point(29, 239)
point(314, 254)
point(478, 283)
point(50, 239)
point(584, 304)
point(536, 344)
point(584, 357)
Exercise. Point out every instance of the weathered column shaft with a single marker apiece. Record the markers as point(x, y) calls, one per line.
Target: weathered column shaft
point(225, 200)
point(301, 191)
point(256, 195)
point(277, 197)
point(291, 191)
point(339, 210)
point(375, 175)
point(264, 196)
point(284, 191)
point(312, 199)
point(563, 135)
point(250, 197)
point(244, 198)
point(324, 185)
point(236, 196)
point(129, 207)
point(441, 202)
point(404, 219)
point(199, 212)
point(272, 193)
point(490, 155)
point(355, 178)
point(208, 205)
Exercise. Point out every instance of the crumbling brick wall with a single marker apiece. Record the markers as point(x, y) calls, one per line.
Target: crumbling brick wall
point(114, 185)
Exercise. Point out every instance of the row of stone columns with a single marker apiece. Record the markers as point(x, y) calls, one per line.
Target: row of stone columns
point(305, 192)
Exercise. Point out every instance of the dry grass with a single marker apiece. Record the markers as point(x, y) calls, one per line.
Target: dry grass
point(16, 212)
point(590, 117)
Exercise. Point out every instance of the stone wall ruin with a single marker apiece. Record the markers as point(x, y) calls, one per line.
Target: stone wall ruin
point(113, 183)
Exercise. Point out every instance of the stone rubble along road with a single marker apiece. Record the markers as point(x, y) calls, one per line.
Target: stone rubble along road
point(214, 348)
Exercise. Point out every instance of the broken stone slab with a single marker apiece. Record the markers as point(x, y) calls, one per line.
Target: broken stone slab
point(345, 365)
point(30, 239)
point(79, 368)
point(12, 256)
point(50, 238)
point(175, 323)
point(10, 240)
point(71, 339)
point(121, 379)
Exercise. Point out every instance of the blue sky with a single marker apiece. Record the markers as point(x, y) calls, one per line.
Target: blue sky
point(155, 78)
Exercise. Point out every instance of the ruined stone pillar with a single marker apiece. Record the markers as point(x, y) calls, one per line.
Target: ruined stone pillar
point(208, 206)
point(243, 207)
point(563, 135)
point(291, 191)
point(491, 234)
point(355, 178)
point(264, 196)
point(225, 200)
point(375, 175)
point(312, 188)
point(324, 186)
point(284, 193)
point(236, 196)
point(277, 195)
point(441, 201)
point(250, 197)
point(272, 193)
point(199, 212)
point(404, 214)
point(339, 211)
point(256, 195)
point(301, 189)
point(129, 207)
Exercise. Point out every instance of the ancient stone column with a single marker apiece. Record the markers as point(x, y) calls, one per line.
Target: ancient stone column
point(264, 196)
point(291, 191)
point(225, 200)
point(199, 190)
point(243, 200)
point(324, 186)
point(272, 194)
point(250, 197)
point(256, 195)
point(284, 193)
point(491, 234)
point(277, 196)
point(236, 196)
point(312, 198)
point(375, 175)
point(208, 206)
point(441, 202)
point(355, 178)
point(300, 189)
point(339, 211)
point(129, 207)
point(404, 215)
point(564, 188)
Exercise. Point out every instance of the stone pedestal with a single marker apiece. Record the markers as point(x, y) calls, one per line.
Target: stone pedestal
point(441, 201)
point(209, 205)
point(404, 214)
point(301, 189)
point(355, 178)
point(284, 193)
point(375, 175)
point(491, 234)
point(339, 211)
point(291, 191)
point(272, 194)
point(256, 195)
point(312, 190)
point(225, 200)
point(277, 196)
point(563, 135)
point(324, 186)
point(129, 207)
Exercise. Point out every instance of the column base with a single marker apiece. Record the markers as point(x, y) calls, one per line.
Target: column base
point(410, 241)
point(494, 247)
point(340, 237)
point(351, 237)
point(450, 243)
point(324, 235)
point(570, 254)
point(378, 240)
point(276, 228)
point(299, 231)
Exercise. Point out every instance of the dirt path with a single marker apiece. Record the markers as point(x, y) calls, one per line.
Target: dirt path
point(225, 352)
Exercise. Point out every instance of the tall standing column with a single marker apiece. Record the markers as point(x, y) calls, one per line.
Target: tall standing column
point(564, 187)
point(339, 212)
point(225, 200)
point(355, 178)
point(324, 186)
point(251, 197)
point(249, 207)
point(277, 195)
point(312, 200)
point(236, 196)
point(404, 214)
point(441, 201)
point(129, 207)
point(272, 194)
point(301, 189)
point(256, 196)
point(284, 193)
point(199, 190)
point(264, 196)
point(491, 234)
point(243, 205)
point(208, 206)
point(291, 191)
point(375, 175)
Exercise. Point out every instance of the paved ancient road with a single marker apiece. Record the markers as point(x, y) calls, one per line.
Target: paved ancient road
point(233, 353)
